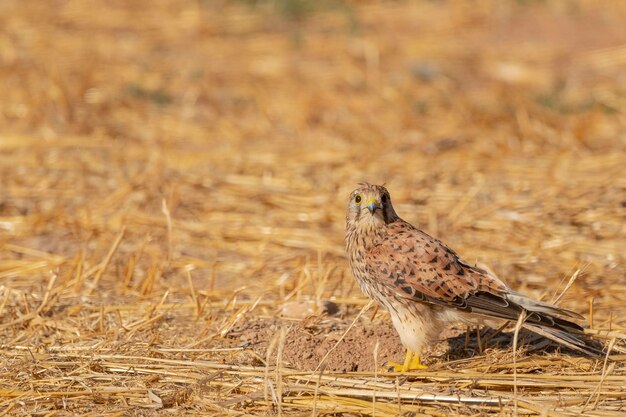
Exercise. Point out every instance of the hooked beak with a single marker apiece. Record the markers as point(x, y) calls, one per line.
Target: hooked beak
point(373, 205)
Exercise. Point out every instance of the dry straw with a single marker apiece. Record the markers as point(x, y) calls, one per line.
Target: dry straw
point(173, 178)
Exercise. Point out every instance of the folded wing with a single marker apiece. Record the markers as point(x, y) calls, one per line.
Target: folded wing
point(419, 267)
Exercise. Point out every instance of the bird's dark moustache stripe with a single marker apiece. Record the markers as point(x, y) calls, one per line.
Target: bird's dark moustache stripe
point(385, 214)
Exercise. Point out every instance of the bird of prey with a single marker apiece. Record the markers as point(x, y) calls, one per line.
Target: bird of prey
point(424, 284)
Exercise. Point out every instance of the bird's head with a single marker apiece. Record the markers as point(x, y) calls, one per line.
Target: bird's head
point(370, 205)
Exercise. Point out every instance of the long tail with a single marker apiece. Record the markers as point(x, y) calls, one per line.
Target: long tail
point(547, 320)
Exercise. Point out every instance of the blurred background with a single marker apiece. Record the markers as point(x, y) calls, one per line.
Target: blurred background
point(185, 151)
point(498, 126)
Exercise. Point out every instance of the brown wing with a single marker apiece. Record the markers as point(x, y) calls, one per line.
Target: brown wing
point(421, 268)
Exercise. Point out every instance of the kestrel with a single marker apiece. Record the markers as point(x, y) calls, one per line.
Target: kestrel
point(425, 285)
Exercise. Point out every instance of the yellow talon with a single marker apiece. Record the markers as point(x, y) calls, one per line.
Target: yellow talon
point(416, 364)
point(411, 363)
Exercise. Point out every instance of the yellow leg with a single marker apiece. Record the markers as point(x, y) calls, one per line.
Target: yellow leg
point(416, 364)
point(411, 363)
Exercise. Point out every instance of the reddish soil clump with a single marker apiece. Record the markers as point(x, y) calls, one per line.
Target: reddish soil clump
point(304, 347)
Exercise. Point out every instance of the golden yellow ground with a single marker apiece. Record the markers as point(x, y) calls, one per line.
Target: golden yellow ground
point(173, 177)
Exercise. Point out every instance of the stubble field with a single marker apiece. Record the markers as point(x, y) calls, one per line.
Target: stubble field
point(173, 184)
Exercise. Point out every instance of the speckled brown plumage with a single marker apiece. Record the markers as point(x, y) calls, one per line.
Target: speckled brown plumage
point(424, 284)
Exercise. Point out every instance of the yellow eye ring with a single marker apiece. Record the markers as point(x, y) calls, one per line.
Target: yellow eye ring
point(357, 199)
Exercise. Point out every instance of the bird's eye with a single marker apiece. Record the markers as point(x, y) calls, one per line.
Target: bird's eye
point(383, 198)
point(357, 199)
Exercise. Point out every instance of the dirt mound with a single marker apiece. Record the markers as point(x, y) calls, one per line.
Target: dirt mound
point(305, 346)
